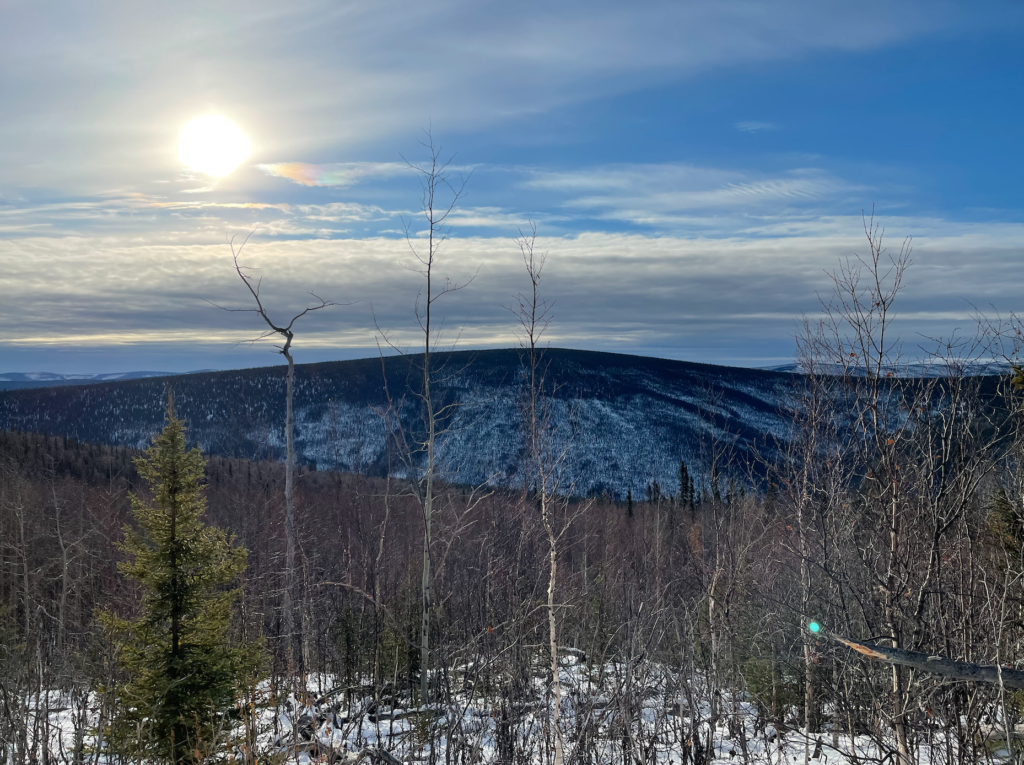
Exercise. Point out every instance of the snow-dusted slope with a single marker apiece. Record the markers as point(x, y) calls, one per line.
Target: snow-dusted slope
point(936, 368)
point(16, 380)
point(628, 419)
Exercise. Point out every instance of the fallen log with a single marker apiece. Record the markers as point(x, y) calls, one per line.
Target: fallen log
point(366, 689)
point(370, 752)
point(936, 665)
point(399, 714)
point(384, 756)
point(579, 653)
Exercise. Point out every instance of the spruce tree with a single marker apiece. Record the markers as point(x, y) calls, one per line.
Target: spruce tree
point(182, 674)
point(1008, 523)
point(686, 489)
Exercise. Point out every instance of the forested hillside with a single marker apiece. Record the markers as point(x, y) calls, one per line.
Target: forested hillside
point(630, 419)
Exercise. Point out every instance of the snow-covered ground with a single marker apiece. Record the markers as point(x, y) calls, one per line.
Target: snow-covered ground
point(608, 716)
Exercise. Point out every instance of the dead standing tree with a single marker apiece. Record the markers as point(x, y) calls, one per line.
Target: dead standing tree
point(287, 333)
point(534, 316)
point(440, 195)
point(546, 452)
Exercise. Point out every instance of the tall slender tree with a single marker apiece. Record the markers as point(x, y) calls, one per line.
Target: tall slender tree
point(441, 193)
point(534, 315)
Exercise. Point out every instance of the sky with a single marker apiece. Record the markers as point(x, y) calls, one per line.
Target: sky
point(694, 169)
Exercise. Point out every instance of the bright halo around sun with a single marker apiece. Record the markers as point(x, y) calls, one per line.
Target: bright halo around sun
point(213, 145)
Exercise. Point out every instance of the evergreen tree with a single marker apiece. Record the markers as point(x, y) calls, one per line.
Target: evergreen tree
point(771, 496)
point(653, 491)
point(1008, 523)
point(730, 491)
point(182, 673)
point(686, 491)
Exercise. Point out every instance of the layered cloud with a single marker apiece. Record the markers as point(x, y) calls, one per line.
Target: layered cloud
point(676, 194)
point(731, 300)
point(652, 196)
point(573, 121)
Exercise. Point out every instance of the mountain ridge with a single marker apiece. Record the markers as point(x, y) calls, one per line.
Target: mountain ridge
point(15, 380)
point(632, 418)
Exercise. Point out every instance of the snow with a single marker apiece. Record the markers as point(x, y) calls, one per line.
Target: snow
point(606, 700)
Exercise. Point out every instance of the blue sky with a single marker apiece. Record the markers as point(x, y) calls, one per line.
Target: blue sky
point(694, 169)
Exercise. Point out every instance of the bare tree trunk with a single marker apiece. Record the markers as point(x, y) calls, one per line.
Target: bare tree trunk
point(810, 721)
point(556, 683)
point(533, 315)
point(714, 684)
point(434, 178)
point(428, 494)
point(289, 507)
point(425, 583)
point(286, 332)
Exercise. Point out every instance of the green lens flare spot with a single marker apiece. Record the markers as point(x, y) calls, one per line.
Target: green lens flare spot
point(814, 627)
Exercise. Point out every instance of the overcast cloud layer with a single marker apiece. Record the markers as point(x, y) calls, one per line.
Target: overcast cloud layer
point(694, 170)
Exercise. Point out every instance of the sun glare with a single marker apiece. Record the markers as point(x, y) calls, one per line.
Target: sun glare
point(213, 145)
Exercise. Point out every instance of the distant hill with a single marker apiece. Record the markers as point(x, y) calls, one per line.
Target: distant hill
point(629, 419)
point(16, 380)
point(918, 370)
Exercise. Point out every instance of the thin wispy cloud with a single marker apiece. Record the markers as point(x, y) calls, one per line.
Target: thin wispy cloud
point(493, 218)
point(337, 174)
point(345, 212)
point(668, 194)
point(754, 127)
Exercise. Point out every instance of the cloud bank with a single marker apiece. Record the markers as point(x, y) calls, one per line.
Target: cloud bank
point(730, 300)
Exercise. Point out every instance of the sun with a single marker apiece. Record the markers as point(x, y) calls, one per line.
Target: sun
point(213, 145)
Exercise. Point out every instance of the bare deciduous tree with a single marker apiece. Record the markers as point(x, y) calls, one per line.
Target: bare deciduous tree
point(285, 331)
point(534, 316)
point(440, 196)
